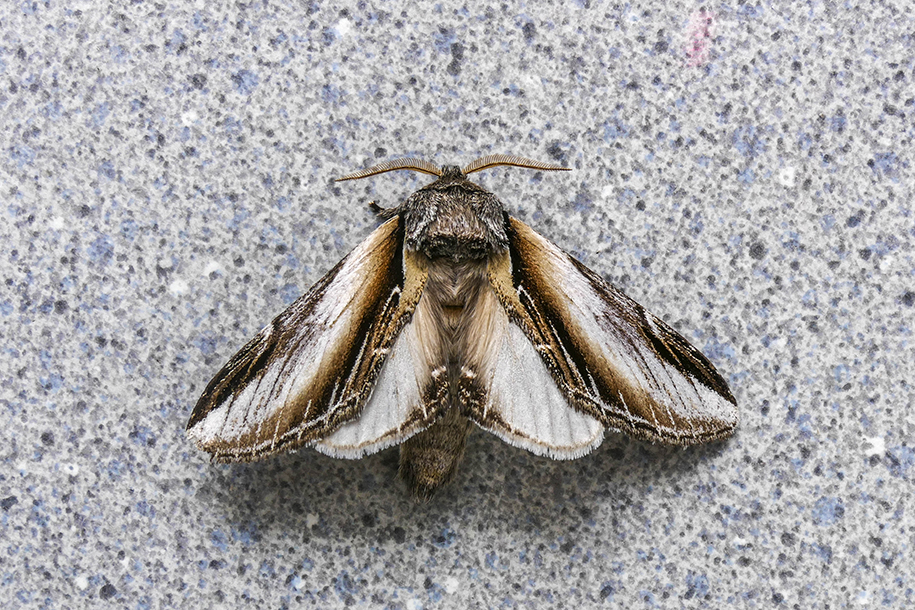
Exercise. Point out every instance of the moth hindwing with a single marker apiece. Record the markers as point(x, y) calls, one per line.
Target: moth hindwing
point(453, 314)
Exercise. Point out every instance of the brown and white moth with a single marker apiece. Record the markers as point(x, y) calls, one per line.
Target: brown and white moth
point(453, 314)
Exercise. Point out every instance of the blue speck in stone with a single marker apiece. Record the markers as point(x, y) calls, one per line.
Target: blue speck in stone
point(791, 415)
point(100, 113)
point(219, 540)
point(435, 593)
point(442, 40)
point(142, 435)
point(115, 470)
point(22, 155)
point(238, 218)
point(828, 221)
point(827, 511)
point(445, 539)
point(614, 129)
point(344, 584)
point(837, 123)
point(746, 176)
point(206, 343)
point(899, 460)
point(696, 585)
point(748, 142)
point(106, 169)
point(331, 94)
point(232, 126)
point(129, 229)
point(840, 372)
point(178, 39)
point(824, 551)
point(246, 533)
point(647, 597)
point(52, 110)
point(245, 81)
point(583, 201)
point(885, 163)
point(491, 559)
point(281, 203)
point(146, 509)
point(6, 308)
point(289, 293)
point(52, 382)
point(199, 22)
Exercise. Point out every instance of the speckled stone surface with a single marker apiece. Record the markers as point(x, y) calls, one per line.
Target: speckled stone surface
point(744, 170)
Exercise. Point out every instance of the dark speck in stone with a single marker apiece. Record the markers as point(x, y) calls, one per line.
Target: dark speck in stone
point(457, 55)
point(908, 299)
point(529, 30)
point(61, 306)
point(381, 152)
point(757, 251)
point(788, 539)
point(567, 546)
point(427, 584)
point(108, 591)
point(47, 439)
point(8, 502)
point(368, 520)
point(399, 535)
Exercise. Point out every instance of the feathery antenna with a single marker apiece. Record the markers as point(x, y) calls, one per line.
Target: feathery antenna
point(496, 160)
point(416, 165)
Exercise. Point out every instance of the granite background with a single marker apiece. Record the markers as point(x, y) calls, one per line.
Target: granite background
point(743, 169)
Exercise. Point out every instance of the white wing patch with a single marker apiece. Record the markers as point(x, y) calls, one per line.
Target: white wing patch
point(397, 394)
point(523, 404)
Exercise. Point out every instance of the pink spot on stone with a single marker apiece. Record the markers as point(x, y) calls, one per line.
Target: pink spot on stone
point(699, 33)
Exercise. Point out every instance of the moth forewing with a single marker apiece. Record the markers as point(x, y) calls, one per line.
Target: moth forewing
point(610, 357)
point(312, 369)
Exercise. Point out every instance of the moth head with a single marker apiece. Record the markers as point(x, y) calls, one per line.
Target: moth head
point(451, 172)
point(451, 217)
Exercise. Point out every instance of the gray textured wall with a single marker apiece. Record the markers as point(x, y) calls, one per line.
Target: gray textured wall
point(744, 170)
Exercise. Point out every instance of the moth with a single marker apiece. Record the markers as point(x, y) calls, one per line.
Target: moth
point(452, 315)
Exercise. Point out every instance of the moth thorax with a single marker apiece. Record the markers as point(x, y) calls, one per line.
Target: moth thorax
point(455, 223)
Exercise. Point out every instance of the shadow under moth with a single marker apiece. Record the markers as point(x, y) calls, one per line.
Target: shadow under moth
point(453, 314)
